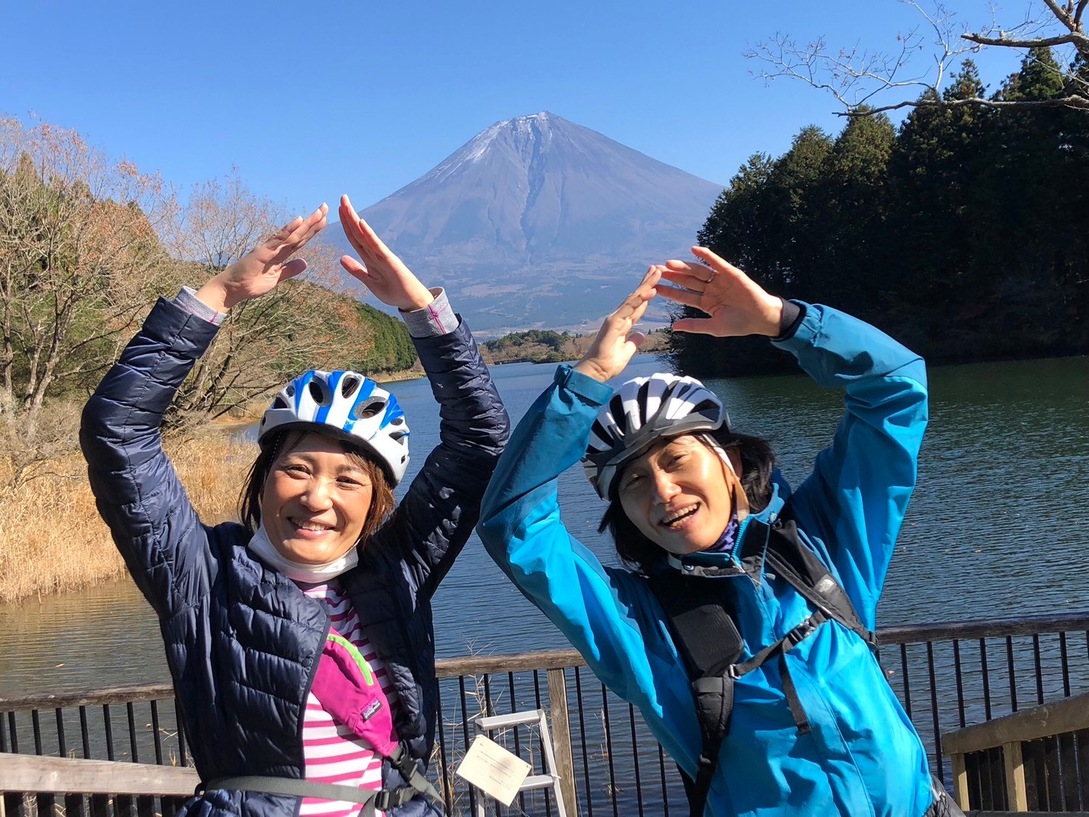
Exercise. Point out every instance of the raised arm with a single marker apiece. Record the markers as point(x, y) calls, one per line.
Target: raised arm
point(437, 513)
point(605, 614)
point(136, 488)
point(861, 483)
point(855, 500)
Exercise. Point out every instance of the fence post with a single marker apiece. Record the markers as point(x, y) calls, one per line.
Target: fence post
point(960, 780)
point(1016, 793)
point(561, 738)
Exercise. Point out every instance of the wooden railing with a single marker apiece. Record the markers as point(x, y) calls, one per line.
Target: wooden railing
point(947, 676)
point(1032, 760)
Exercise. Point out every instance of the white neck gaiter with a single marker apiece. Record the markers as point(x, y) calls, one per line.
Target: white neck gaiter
point(263, 548)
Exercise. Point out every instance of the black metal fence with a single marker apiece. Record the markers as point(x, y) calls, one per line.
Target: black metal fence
point(946, 675)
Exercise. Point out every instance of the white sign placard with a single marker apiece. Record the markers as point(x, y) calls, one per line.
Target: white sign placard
point(493, 770)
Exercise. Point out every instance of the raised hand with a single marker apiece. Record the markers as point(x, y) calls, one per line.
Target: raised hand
point(382, 272)
point(616, 342)
point(735, 304)
point(264, 267)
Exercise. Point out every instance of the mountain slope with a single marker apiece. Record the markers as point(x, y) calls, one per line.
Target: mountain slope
point(538, 222)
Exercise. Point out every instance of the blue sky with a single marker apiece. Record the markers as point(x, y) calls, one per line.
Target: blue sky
point(309, 101)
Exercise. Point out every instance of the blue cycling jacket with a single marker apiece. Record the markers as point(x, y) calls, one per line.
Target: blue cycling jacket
point(863, 756)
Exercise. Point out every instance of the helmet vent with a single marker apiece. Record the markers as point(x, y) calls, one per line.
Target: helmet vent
point(368, 409)
point(280, 403)
point(349, 385)
point(289, 389)
point(317, 392)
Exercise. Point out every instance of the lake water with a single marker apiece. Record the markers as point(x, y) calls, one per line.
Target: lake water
point(996, 529)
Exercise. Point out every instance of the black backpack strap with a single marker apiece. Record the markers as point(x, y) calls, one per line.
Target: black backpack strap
point(708, 640)
point(791, 559)
point(701, 620)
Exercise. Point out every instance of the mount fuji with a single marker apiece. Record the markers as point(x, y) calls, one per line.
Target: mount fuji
point(537, 222)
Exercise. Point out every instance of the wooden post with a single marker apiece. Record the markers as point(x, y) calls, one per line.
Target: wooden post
point(561, 738)
point(1016, 793)
point(960, 781)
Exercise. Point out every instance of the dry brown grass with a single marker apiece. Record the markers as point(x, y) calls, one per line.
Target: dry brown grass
point(51, 537)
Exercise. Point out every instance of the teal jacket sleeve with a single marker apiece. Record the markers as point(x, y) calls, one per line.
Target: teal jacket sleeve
point(608, 615)
point(856, 497)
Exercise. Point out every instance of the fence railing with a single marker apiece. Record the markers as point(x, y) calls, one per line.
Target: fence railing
point(947, 676)
point(1033, 760)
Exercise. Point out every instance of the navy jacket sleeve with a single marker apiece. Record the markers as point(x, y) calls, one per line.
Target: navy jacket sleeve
point(436, 516)
point(135, 486)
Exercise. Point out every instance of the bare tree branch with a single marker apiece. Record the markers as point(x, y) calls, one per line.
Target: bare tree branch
point(859, 79)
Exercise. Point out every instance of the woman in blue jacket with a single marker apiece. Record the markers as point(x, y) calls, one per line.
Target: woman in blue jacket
point(815, 729)
point(301, 642)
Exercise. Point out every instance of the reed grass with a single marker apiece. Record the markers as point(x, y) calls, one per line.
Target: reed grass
point(51, 536)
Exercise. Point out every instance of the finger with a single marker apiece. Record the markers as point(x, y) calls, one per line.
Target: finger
point(353, 267)
point(292, 268)
point(680, 295)
point(652, 275)
point(694, 326)
point(349, 221)
point(297, 232)
point(310, 227)
point(348, 215)
point(280, 236)
point(716, 262)
point(636, 302)
point(693, 276)
point(372, 243)
point(645, 290)
point(639, 311)
point(303, 231)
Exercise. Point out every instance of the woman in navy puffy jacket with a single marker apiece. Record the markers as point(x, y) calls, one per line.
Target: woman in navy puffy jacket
point(301, 642)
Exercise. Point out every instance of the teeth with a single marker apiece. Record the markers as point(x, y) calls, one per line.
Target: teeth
point(310, 526)
point(683, 514)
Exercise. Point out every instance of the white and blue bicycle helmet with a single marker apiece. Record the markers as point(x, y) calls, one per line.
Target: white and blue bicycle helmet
point(346, 405)
point(641, 412)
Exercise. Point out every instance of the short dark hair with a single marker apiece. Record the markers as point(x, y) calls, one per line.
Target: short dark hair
point(757, 464)
point(284, 441)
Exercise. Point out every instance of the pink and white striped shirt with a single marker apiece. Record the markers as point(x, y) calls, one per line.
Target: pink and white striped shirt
point(331, 751)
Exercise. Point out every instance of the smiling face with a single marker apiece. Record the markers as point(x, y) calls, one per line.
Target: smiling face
point(316, 500)
point(678, 495)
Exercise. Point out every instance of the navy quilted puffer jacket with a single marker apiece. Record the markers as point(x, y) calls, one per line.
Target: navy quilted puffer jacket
point(242, 641)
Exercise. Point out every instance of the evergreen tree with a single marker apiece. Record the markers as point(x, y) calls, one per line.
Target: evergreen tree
point(934, 231)
point(847, 245)
point(735, 228)
point(1028, 193)
point(797, 187)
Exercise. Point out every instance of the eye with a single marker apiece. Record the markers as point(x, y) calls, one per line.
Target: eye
point(294, 469)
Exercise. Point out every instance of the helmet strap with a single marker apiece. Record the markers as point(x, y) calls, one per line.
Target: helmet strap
point(733, 480)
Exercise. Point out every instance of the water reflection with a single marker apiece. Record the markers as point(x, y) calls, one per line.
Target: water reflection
point(996, 529)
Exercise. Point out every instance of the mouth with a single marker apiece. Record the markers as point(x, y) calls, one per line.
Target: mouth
point(305, 527)
point(677, 518)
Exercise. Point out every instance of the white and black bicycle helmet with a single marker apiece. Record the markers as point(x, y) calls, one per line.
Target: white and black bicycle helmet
point(641, 412)
point(346, 405)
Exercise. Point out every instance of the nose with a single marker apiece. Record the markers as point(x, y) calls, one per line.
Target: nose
point(665, 487)
point(316, 497)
